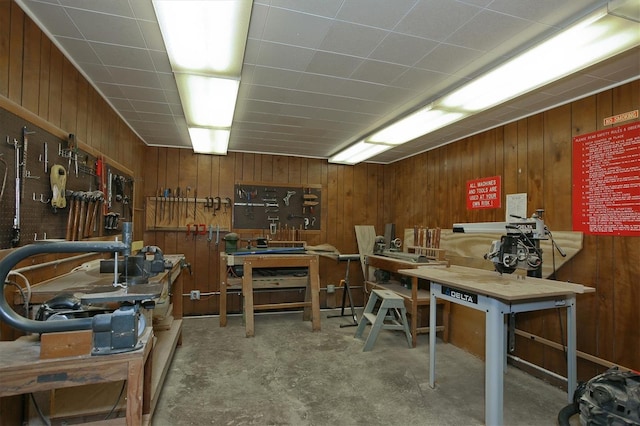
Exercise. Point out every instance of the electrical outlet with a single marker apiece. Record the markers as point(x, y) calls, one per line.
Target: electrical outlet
point(195, 294)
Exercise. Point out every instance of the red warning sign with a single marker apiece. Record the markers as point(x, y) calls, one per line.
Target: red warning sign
point(484, 193)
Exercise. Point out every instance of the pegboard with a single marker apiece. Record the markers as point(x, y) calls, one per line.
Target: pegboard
point(38, 218)
point(277, 206)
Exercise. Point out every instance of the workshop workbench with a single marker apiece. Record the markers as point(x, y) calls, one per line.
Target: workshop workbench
point(22, 372)
point(311, 303)
point(135, 367)
point(414, 297)
point(498, 295)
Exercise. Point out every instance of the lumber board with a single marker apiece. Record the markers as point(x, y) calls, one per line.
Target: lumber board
point(366, 238)
point(469, 249)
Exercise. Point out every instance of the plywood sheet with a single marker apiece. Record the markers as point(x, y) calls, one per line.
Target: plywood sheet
point(366, 237)
point(469, 249)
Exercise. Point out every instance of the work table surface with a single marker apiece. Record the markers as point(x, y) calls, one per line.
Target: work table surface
point(508, 287)
point(90, 281)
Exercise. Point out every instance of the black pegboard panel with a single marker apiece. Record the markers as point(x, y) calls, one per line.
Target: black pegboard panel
point(38, 219)
point(254, 205)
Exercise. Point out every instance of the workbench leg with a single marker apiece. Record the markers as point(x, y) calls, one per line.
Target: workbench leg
point(314, 277)
point(247, 297)
point(135, 386)
point(414, 312)
point(494, 369)
point(432, 335)
point(223, 290)
point(572, 371)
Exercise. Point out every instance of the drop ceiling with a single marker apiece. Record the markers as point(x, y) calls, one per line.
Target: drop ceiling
point(318, 75)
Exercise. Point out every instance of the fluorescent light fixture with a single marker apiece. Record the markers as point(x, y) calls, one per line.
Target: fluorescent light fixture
point(586, 43)
point(209, 36)
point(205, 41)
point(598, 37)
point(415, 125)
point(207, 101)
point(359, 152)
point(209, 141)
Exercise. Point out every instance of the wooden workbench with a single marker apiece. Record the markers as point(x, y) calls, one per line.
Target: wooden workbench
point(61, 373)
point(413, 298)
point(22, 372)
point(311, 303)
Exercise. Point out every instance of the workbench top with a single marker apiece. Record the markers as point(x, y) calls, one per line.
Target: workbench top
point(89, 280)
point(507, 287)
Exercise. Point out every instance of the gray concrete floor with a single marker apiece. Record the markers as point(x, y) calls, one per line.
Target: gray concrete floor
point(288, 375)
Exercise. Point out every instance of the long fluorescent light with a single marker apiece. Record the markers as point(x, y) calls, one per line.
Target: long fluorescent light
point(415, 125)
point(205, 41)
point(207, 101)
point(359, 152)
point(596, 38)
point(208, 36)
point(209, 141)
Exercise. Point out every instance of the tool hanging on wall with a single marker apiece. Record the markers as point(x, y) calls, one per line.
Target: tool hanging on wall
point(15, 230)
point(4, 179)
point(58, 179)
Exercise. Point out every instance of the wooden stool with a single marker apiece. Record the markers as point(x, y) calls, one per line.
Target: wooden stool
point(392, 306)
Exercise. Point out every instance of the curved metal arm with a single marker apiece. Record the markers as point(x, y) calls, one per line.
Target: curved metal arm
point(7, 313)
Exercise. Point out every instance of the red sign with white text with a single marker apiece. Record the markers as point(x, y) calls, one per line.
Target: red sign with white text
point(484, 193)
point(606, 181)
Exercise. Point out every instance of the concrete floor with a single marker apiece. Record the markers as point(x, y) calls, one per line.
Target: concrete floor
point(288, 375)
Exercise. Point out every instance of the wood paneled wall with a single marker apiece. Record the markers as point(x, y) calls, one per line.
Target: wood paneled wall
point(39, 84)
point(533, 155)
point(351, 196)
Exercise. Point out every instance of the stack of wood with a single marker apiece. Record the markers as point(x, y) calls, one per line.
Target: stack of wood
point(426, 242)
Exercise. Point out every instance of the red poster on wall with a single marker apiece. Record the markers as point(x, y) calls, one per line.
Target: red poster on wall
point(606, 181)
point(484, 193)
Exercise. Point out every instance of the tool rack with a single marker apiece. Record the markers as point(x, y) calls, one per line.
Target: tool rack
point(191, 215)
point(277, 208)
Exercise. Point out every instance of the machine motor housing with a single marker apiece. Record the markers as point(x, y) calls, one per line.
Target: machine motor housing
point(611, 398)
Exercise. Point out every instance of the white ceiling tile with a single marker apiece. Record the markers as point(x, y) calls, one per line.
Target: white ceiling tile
point(139, 93)
point(402, 49)
point(123, 56)
point(275, 77)
point(160, 61)
point(333, 64)
point(352, 39)
point(437, 19)
point(54, 18)
point(327, 8)
point(549, 12)
point(378, 72)
point(487, 30)
point(154, 107)
point(111, 7)
point(79, 49)
point(296, 29)
point(107, 28)
point(152, 37)
point(448, 58)
point(97, 73)
point(142, 10)
point(138, 78)
point(277, 55)
point(376, 13)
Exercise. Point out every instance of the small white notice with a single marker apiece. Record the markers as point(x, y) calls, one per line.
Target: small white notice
point(516, 206)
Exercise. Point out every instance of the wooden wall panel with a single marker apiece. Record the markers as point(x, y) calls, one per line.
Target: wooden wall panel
point(533, 155)
point(5, 32)
point(40, 85)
